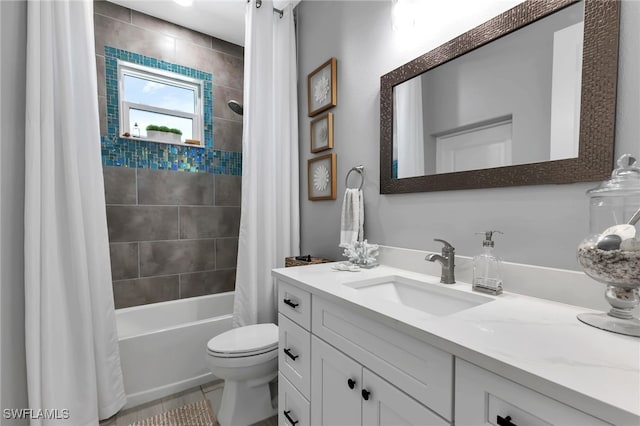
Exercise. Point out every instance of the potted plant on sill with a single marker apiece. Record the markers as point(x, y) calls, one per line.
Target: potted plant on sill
point(164, 133)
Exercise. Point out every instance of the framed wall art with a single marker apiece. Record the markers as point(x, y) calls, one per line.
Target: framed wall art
point(322, 177)
point(322, 133)
point(322, 92)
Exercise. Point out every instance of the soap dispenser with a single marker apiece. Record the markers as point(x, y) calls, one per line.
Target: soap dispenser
point(486, 267)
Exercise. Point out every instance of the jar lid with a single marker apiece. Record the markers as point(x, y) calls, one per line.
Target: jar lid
point(625, 180)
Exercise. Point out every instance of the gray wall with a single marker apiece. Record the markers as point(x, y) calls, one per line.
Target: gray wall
point(13, 46)
point(172, 234)
point(542, 224)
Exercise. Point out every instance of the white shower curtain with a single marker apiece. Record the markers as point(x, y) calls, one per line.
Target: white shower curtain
point(270, 223)
point(73, 360)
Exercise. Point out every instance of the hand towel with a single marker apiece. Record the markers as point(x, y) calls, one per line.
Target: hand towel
point(352, 218)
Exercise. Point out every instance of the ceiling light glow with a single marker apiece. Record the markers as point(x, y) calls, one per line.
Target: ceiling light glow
point(184, 3)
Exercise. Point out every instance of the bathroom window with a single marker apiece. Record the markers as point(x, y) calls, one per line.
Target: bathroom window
point(152, 97)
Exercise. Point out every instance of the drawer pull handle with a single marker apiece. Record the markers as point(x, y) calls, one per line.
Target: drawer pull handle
point(505, 421)
point(290, 355)
point(365, 394)
point(286, 414)
point(351, 383)
point(290, 303)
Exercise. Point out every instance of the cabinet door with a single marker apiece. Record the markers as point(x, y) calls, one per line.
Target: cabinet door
point(387, 405)
point(333, 375)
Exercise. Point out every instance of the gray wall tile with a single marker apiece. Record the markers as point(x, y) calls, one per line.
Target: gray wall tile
point(146, 290)
point(228, 190)
point(228, 70)
point(171, 187)
point(172, 257)
point(226, 253)
point(209, 222)
point(155, 24)
point(124, 261)
point(112, 10)
point(194, 56)
point(222, 95)
point(111, 32)
point(210, 282)
point(142, 223)
point(227, 134)
point(102, 90)
point(226, 47)
point(119, 185)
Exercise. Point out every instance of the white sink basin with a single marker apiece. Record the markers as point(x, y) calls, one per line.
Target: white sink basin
point(430, 298)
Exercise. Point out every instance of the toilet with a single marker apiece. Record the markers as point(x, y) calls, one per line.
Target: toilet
point(247, 359)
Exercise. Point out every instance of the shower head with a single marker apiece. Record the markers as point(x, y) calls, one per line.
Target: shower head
point(235, 106)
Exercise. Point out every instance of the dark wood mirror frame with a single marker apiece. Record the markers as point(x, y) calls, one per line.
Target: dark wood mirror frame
point(597, 107)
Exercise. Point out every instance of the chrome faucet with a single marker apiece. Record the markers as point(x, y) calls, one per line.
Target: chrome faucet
point(447, 260)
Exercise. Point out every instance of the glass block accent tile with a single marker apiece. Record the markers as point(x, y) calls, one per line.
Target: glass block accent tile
point(123, 152)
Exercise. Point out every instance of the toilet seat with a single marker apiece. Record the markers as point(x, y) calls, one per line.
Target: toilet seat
point(247, 341)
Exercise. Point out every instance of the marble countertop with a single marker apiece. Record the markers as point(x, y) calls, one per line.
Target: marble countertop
point(535, 342)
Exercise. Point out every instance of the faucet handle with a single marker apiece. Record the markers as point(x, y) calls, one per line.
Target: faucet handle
point(447, 247)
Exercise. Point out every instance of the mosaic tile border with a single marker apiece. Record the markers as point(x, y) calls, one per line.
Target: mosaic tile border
point(120, 152)
point(123, 152)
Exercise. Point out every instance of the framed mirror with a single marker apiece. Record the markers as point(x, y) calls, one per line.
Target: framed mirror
point(526, 98)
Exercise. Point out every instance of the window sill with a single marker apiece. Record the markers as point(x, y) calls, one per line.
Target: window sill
point(132, 138)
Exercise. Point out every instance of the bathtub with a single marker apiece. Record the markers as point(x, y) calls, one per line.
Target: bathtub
point(163, 345)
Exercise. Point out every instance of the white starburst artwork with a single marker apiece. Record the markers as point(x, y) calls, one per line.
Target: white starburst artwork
point(321, 89)
point(321, 178)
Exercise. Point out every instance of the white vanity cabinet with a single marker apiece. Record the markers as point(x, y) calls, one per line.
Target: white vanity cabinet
point(353, 361)
point(396, 380)
point(346, 393)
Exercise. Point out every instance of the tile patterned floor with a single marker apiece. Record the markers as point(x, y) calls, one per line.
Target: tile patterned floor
point(211, 391)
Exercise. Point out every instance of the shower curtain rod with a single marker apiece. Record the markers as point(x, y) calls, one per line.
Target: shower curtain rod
point(278, 11)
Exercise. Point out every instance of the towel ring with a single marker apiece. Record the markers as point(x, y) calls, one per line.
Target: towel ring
point(359, 169)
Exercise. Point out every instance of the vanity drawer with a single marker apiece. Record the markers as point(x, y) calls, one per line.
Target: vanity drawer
point(291, 402)
point(419, 369)
point(294, 357)
point(481, 396)
point(295, 304)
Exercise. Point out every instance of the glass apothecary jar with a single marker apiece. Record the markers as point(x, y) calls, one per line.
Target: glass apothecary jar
point(611, 254)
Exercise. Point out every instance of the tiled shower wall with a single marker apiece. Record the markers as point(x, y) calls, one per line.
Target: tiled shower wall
point(173, 234)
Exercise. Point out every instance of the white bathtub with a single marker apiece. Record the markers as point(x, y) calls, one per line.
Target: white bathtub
point(163, 345)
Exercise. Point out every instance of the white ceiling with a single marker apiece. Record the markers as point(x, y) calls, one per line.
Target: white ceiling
point(223, 19)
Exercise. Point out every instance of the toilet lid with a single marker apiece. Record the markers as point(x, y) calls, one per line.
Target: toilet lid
point(247, 340)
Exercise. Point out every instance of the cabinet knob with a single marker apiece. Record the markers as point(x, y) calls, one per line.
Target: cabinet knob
point(290, 355)
point(351, 383)
point(505, 421)
point(291, 421)
point(365, 394)
point(290, 303)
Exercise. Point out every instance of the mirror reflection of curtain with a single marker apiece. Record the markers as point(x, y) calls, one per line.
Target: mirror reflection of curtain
point(408, 128)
